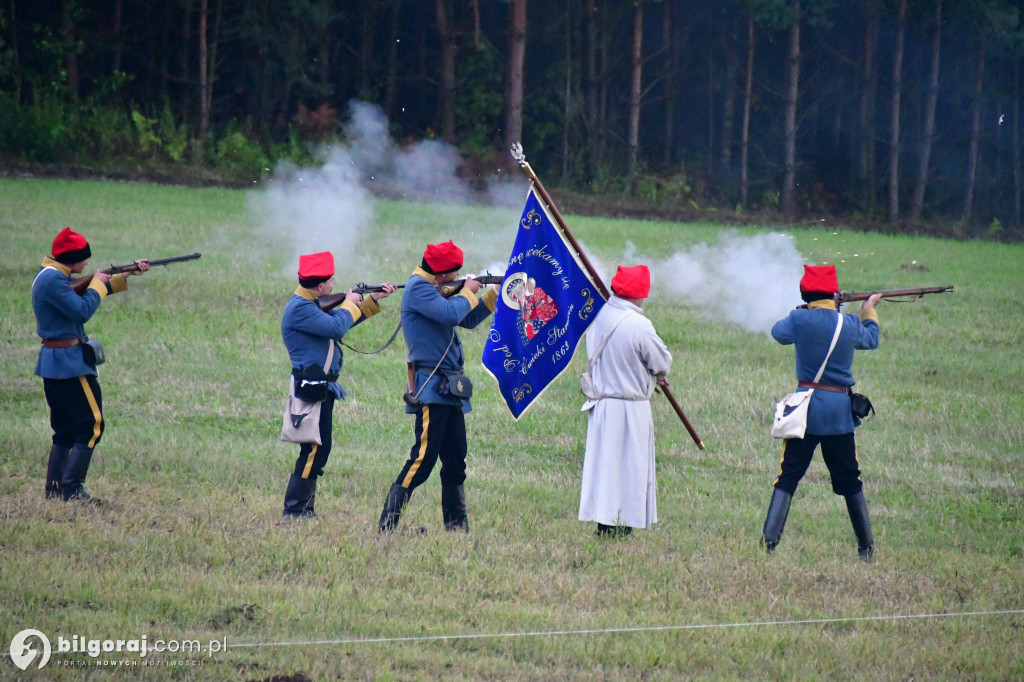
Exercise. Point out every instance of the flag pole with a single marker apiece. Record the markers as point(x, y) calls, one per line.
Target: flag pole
point(520, 157)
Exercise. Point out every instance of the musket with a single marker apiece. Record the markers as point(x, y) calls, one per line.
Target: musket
point(451, 288)
point(890, 294)
point(520, 157)
point(332, 301)
point(448, 289)
point(80, 284)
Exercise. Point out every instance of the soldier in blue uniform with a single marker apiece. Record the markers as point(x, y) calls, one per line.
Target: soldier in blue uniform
point(436, 361)
point(830, 422)
point(67, 364)
point(309, 334)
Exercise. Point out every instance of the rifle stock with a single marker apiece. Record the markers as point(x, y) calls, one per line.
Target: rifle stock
point(80, 284)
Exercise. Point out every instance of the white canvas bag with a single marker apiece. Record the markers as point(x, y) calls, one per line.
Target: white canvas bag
point(791, 411)
point(301, 422)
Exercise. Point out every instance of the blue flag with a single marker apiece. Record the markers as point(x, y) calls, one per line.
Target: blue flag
point(547, 302)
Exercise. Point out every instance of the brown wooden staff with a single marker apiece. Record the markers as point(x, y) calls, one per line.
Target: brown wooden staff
point(520, 157)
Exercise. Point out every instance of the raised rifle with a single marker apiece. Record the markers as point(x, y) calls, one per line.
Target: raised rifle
point(448, 289)
point(332, 301)
point(80, 284)
point(891, 294)
point(451, 288)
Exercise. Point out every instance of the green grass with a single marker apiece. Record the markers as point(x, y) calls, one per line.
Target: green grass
point(189, 545)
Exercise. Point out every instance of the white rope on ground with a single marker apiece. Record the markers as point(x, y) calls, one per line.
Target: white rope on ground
point(651, 628)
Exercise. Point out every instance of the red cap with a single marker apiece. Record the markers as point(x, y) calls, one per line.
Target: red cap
point(443, 257)
point(819, 279)
point(316, 266)
point(633, 282)
point(69, 247)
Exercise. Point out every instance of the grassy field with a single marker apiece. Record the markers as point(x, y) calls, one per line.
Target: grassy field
point(188, 542)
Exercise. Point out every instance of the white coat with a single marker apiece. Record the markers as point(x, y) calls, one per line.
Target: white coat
point(619, 486)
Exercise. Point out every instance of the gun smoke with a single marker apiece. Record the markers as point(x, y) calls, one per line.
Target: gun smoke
point(748, 281)
point(331, 207)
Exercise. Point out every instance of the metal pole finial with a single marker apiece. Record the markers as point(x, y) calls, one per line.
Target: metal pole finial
point(517, 153)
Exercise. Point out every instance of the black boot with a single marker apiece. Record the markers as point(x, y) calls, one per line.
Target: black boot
point(55, 470)
point(778, 510)
point(396, 500)
point(310, 509)
point(72, 481)
point(604, 531)
point(453, 508)
point(857, 506)
point(298, 495)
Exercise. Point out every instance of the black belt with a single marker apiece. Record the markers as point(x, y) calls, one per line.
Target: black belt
point(823, 387)
point(61, 343)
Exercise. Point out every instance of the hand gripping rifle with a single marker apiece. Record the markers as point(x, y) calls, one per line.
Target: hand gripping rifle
point(80, 284)
point(520, 157)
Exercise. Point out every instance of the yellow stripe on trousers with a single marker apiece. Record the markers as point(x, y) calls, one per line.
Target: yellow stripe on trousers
point(97, 417)
point(781, 460)
point(423, 448)
point(309, 460)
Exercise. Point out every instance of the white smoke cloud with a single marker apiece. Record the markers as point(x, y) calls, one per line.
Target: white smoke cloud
point(749, 281)
point(330, 207)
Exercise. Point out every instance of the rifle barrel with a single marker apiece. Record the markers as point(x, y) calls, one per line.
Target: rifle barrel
point(81, 283)
point(847, 296)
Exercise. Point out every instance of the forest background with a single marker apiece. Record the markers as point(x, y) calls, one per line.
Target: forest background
point(901, 115)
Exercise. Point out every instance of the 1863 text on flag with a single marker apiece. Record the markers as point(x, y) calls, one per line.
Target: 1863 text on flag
point(547, 302)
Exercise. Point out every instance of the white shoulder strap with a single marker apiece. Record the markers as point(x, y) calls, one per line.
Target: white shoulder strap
point(41, 271)
point(330, 356)
point(593, 359)
point(835, 337)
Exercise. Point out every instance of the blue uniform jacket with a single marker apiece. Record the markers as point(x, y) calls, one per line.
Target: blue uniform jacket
point(811, 330)
point(307, 330)
point(428, 322)
point(61, 314)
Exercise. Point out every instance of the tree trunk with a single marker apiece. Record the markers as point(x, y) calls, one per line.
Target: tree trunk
point(567, 108)
point(728, 110)
point(516, 60)
point(474, 6)
point(204, 80)
point(748, 90)
point(446, 101)
point(792, 89)
point(917, 203)
point(391, 77)
point(869, 86)
point(116, 31)
point(893, 212)
point(671, 76)
point(635, 84)
point(590, 87)
point(1016, 146)
point(972, 158)
point(15, 52)
point(70, 48)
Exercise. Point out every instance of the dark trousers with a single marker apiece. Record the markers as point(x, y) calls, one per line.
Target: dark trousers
point(440, 432)
point(312, 457)
point(76, 410)
point(839, 453)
